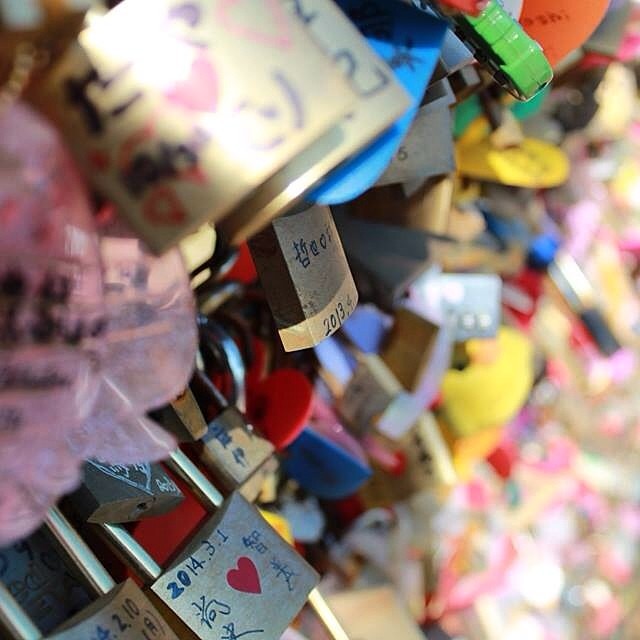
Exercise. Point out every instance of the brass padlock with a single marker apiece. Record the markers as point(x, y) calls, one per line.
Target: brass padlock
point(305, 275)
point(426, 207)
point(381, 101)
point(182, 417)
point(368, 394)
point(236, 576)
point(231, 450)
point(177, 149)
point(37, 576)
point(124, 492)
point(408, 346)
point(426, 464)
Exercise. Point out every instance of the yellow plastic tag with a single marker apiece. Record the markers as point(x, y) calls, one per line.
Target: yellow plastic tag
point(534, 164)
point(280, 524)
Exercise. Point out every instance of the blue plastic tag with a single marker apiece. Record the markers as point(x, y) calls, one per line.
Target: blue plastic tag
point(323, 468)
point(409, 41)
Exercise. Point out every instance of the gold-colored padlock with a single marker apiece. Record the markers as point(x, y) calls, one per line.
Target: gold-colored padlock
point(408, 346)
point(230, 449)
point(381, 101)
point(305, 275)
point(179, 123)
point(236, 576)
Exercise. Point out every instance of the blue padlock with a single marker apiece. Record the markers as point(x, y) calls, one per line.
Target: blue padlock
point(410, 42)
point(323, 468)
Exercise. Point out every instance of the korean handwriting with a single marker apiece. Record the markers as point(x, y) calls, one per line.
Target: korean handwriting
point(303, 246)
point(219, 433)
point(282, 570)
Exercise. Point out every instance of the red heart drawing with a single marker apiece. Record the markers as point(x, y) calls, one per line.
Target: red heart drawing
point(278, 37)
point(245, 577)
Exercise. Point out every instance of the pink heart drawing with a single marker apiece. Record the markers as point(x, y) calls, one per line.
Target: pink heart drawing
point(245, 577)
point(199, 91)
point(278, 37)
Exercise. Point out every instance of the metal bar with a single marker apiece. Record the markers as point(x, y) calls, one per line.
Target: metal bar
point(14, 620)
point(79, 552)
point(131, 552)
point(198, 482)
point(326, 616)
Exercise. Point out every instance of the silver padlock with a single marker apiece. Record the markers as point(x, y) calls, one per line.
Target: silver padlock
point(124, 493)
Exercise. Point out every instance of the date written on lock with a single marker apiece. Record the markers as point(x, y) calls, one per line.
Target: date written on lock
point(125, 613)
point(305, 275)
point(237, 578)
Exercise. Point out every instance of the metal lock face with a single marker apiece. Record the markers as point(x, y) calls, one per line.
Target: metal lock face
point(38, 578)
point(182, 417)
point(427, 461)
point(176, 149)
point(472, 302)
point(368, 394)
point(408, 347)
point(124, 613)
point(124, 493)
point(427, 149)
point(306, 277)
point(231, 449)
point(381, 100)
point(236, 578)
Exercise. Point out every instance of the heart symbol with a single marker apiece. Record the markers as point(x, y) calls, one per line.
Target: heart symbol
point(279, 38)
point(199, 91)
point(245, 577)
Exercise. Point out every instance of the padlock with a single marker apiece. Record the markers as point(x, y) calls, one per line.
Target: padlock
point(385, 259)
point(175, 151)
point(182, 417)
point(14, 621)
point(305, 275)
point(36, 575)
point(236, 576)
point(231, 450)
point(124, 493)
point(408, 346)
point(368, 394)
point(425, 206)
point(427, 149)
point(121, 611)
point(521, 68)
point(423, 462)
point(381, 101)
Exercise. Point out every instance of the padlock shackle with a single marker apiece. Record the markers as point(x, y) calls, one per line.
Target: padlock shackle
point(182, 466)
point(77, 550)
point(210, 331)
point(129, 550)
point(326, 616)
point(14, 619)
